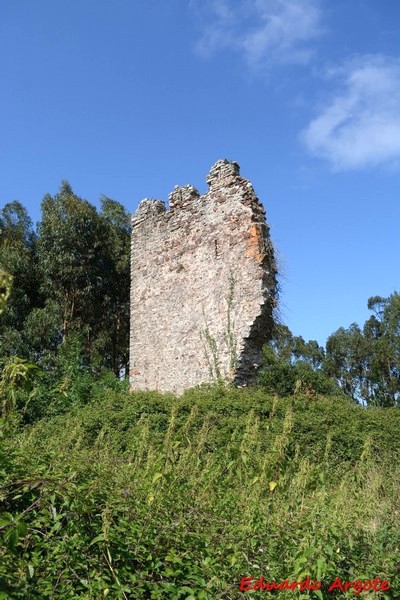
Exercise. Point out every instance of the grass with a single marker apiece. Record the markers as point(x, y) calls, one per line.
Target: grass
point(148, 496)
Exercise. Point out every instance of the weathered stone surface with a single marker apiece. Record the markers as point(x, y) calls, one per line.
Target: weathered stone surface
point(203, 285)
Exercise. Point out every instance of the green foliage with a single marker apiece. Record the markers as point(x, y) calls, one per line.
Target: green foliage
point(5, 289)
point(212, 356)
point(68, 384)
point(18, 377)
point(363, 363)
point(72, 256)
point(17, 258)
point(109, 494)
point(71, 276)
point(111, 346)
point(277, 376)
point(148, 496)
point(366, 362)
point(43, 333)
point(293, 366)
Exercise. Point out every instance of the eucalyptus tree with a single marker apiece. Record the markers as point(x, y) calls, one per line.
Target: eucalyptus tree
point(83, 257)
point(366, 361)
point(17, 258)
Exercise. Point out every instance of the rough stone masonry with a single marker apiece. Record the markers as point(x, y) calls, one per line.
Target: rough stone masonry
point(203, 285)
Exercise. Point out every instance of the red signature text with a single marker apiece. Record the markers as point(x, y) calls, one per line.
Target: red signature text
point(375, 585)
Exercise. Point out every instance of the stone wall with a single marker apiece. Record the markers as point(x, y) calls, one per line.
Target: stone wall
point(203, 285)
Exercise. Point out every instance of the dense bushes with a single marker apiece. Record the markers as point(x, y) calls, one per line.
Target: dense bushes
point(285, 379)
point(149, 496)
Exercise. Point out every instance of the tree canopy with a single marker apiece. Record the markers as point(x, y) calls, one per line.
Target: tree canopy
point(70, 279)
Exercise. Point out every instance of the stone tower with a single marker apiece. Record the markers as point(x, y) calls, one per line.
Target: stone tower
point(203, 285)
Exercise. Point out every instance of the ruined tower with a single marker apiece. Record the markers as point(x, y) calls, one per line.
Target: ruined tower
point(203, 285)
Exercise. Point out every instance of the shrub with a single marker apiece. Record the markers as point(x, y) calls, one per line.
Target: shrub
point(148, 496)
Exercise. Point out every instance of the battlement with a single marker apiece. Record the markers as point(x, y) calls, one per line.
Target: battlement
point(181, 196)
point(223, 172)
point(149, 208)
point(203, 285)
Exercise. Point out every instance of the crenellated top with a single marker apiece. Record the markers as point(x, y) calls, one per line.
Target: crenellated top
point(182, 195)
point(223, 172)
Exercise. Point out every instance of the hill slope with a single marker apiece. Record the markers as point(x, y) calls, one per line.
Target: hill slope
point(148, 496)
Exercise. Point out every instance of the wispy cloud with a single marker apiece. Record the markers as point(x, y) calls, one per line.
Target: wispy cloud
point(265, 32)
point(360, 124)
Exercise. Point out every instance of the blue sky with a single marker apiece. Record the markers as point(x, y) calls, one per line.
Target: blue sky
point(131, 97)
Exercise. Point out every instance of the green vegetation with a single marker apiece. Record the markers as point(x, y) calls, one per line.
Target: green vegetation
point(70, 300)
point(149, 496)
point(70, 277)
point(363, 364)
point(366, 362)
point(104, 493)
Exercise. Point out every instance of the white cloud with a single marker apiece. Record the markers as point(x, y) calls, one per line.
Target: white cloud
point(360, 125)
point(265, 32)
